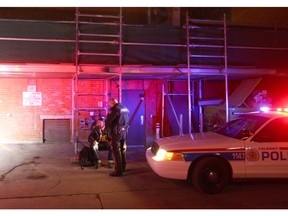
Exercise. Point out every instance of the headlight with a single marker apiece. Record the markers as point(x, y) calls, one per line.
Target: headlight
point(164, 155)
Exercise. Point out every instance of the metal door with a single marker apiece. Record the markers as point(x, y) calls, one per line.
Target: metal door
point(134, 101)
point(56, 130)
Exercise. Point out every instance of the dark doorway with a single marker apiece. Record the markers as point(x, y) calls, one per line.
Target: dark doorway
point(134, 101)
point(56, 130)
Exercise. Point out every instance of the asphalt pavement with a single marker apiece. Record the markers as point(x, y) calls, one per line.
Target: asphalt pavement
point(46, 176)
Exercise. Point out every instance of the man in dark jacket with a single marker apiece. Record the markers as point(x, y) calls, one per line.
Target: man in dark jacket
point(117, 123)
point(99, 141)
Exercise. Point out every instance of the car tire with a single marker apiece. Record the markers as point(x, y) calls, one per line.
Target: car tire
point(211, 175)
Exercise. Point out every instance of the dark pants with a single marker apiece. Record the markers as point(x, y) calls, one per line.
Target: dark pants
point(119, 151)
point(103, 147)
point(106, 146)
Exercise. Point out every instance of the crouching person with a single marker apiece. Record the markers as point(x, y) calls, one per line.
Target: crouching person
point(99, 141)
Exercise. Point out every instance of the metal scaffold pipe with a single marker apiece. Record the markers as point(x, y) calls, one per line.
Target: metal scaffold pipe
point(188, 76)
point(225, 70)
point(120, 55)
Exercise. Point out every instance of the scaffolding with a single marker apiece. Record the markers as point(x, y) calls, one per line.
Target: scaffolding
point(87, 39)
point(199, 45)
point(212, 48)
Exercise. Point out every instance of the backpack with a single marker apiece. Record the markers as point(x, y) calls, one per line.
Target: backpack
point(87, 157)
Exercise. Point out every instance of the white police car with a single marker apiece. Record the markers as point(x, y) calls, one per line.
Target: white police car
point(255, 145)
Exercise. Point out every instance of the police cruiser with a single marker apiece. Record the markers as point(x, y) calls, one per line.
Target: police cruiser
point(254, 145)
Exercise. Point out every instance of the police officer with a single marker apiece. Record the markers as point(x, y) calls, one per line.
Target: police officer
point(117, 123)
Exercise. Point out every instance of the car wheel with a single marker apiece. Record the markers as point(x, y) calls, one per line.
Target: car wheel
point(211, 175)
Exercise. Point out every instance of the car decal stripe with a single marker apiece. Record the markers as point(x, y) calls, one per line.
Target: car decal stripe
point(215, 150)
point(231, 156)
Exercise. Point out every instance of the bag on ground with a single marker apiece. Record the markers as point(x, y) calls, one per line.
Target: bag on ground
point(87, 157)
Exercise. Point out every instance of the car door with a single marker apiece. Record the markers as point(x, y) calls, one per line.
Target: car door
point(267, 151)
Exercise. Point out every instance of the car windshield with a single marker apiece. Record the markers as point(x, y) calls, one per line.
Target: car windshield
point(241, 127)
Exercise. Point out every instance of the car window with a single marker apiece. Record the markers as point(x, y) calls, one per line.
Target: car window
point(274, 131)
point(242, 126)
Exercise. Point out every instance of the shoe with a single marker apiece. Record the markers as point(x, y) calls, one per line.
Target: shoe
point(99, 163)
point(96, 166)
point(115, 174)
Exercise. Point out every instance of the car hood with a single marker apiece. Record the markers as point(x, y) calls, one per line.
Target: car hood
point(206, 140)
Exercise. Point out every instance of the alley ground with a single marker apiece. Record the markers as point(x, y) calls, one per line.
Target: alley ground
point(43, 176)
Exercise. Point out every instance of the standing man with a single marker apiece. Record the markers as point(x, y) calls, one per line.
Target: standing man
point(117, 123)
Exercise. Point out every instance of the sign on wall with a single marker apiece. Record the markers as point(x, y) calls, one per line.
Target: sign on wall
point(32, 98)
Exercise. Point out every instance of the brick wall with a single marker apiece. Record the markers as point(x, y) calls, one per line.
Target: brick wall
point(24, 124)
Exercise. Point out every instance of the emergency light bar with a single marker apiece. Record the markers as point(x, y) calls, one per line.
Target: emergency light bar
point(263, 109)
point(282, 109)
point(267, 109)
